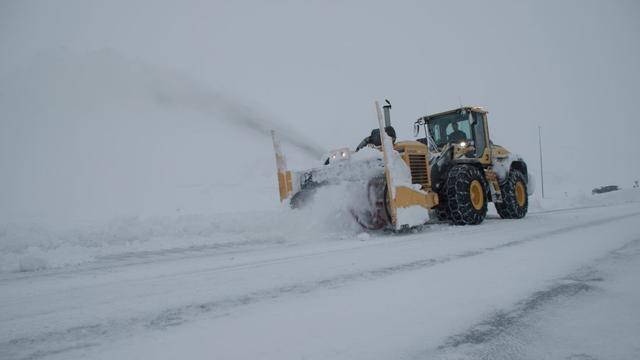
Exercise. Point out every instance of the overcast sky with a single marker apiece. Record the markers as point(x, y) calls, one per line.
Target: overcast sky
point(315, 68)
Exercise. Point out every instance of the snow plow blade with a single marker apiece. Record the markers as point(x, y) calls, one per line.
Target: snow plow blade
point(407, 207)
point(298, 187)
point(285, 182)
point(382, 195)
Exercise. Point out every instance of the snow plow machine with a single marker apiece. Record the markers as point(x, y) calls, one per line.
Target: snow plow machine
point(449, 173)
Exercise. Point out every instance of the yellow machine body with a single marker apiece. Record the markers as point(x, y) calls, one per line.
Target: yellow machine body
point(421, 192)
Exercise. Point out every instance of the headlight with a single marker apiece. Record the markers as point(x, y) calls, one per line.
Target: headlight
point(339, 155)
point(463, 144)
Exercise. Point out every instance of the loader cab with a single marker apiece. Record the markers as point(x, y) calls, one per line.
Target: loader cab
point(461, 128)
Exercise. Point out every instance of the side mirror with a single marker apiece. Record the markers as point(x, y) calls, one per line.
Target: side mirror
point(416, 129)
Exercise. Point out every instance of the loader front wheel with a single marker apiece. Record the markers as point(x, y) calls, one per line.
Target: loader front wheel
point(462, 198)
point(514, 203)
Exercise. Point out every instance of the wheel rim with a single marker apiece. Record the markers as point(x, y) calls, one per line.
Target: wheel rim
point(521, 196)
point(477, 197)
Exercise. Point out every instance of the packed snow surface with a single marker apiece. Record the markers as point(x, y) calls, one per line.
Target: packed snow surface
point(291, 284)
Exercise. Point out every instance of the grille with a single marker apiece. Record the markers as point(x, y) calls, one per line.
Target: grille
point(418, 165)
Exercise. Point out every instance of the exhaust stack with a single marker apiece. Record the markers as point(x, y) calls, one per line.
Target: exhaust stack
point(387, 113)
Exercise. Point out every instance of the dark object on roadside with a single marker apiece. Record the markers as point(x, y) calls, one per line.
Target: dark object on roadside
point(605, 189)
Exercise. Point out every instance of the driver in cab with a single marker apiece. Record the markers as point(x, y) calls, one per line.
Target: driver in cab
point(456, 135)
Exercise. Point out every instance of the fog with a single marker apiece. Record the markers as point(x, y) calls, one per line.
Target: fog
point(136, 108)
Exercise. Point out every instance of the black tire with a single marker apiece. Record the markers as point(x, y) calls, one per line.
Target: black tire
point(513, 207)
point(441, 213)
point(456, 202)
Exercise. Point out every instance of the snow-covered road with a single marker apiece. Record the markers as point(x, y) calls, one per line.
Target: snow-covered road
point(504, 289)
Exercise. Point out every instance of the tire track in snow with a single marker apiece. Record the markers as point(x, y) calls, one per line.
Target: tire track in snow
point(55, 342)
point(506, 322)
point(135, 258)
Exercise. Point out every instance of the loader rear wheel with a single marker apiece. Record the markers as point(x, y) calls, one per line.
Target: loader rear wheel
point(514, 196)
point(462, 198)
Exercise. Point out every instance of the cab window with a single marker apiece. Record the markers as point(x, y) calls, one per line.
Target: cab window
point(443, 130)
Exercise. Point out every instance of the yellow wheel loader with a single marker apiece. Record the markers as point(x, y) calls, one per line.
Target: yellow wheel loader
point(451, 171)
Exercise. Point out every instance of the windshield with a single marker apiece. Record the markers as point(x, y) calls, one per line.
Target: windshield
point(447, 128)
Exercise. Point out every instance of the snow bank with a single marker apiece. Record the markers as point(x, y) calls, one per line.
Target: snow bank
point(621, 196)
point(32, 247)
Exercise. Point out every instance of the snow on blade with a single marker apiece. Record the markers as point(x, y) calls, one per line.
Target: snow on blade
point(412, 216)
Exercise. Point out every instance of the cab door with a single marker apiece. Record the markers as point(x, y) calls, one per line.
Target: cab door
point(481, 137)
